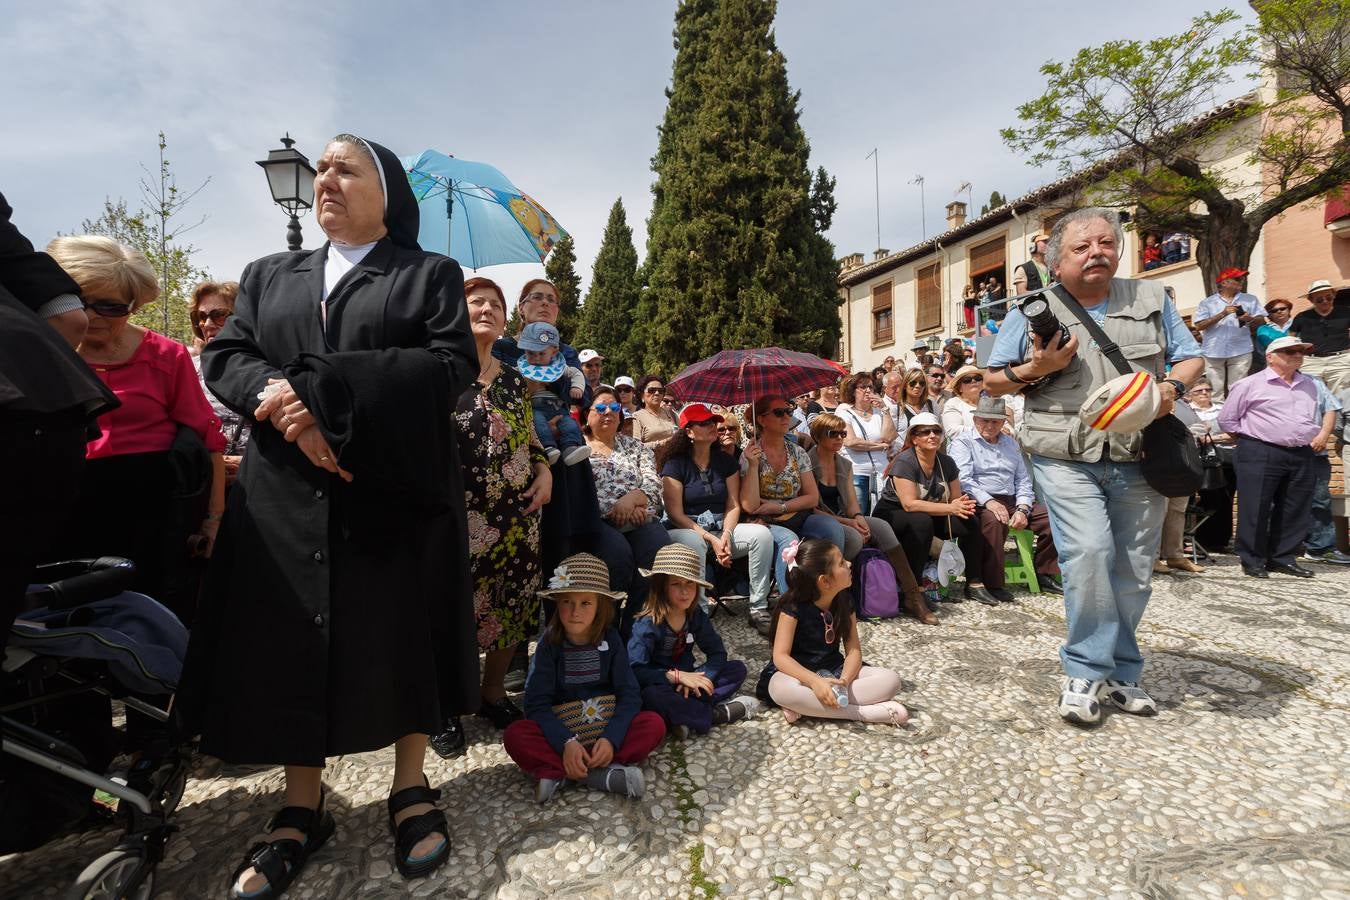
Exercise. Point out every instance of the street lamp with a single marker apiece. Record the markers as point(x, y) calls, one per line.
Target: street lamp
point(934, 342)
point(291, 180)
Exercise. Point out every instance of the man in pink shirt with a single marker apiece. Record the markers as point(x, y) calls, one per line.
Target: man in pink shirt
point(1274, 415)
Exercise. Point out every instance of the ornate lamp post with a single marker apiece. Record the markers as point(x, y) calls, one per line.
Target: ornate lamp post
point(291, 179)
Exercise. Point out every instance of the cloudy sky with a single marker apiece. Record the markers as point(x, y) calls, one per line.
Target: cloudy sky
point(565, 98)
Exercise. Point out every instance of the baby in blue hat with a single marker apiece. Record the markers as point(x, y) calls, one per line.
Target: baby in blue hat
point(549, 381)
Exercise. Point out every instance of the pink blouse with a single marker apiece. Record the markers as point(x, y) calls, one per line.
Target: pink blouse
point(159, 391)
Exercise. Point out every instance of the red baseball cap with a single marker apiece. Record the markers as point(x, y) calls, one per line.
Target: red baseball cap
point(697, 412)
point(1231, 273)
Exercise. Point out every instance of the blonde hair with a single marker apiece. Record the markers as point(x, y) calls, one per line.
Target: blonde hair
point(824, 422)
point(103, 267)
point(657, 607)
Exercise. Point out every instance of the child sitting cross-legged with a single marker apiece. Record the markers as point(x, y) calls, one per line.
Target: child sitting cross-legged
point(817, 667)
point(583, 718)
point(688, 696)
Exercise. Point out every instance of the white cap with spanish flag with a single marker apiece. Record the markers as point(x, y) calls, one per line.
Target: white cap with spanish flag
point(1122, 405)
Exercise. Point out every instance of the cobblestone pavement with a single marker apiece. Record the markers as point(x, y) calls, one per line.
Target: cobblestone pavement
point(1237, 789)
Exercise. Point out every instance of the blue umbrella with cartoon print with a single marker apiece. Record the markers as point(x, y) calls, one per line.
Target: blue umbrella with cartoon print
point(472, 212)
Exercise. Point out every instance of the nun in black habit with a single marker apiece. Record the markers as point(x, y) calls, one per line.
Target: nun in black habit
point(338, 616)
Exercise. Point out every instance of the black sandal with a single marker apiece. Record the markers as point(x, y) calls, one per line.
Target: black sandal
point(279, 862)
point(413, 829)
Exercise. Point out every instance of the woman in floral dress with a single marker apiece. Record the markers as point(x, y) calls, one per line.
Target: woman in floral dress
point(506, 482)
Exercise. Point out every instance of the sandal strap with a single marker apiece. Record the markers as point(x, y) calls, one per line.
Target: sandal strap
point(275, 861)
point(414, 828)
point(298, 817)
point(412, 796)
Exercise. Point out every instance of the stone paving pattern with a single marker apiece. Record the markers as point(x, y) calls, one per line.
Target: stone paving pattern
point(1237, 789)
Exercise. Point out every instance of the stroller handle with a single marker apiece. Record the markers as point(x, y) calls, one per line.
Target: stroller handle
point(79, 581)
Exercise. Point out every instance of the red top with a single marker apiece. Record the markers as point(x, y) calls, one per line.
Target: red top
point(159, 391)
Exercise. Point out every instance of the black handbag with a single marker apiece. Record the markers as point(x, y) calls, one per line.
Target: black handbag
point(1213, 478)
point(1169, 456)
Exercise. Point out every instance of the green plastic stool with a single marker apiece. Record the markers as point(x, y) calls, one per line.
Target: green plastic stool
point(1022, 568)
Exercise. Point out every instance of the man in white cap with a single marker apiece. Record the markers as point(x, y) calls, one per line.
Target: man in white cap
point(1327, 327)
point(590, 367)
point(1105, 518)
point(1274, 415)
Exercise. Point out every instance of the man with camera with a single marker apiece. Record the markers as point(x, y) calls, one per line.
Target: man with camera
point(1105, 517)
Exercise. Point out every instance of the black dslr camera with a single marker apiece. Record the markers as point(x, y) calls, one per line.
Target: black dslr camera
point(1042, 322)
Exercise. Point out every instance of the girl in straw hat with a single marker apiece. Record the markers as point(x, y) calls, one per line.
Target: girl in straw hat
point(687, 696)
point(582, 704)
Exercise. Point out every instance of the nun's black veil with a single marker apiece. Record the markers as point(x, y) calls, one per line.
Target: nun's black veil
point(400, 206)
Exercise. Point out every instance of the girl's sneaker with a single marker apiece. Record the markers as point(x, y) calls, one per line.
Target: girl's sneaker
point(547, 789)
point(735, 709)
point(617, 779)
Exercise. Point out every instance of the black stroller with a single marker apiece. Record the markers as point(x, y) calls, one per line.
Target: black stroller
point(81, 643)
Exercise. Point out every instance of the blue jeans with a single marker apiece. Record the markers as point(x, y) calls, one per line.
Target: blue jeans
point(752, 541)
point(625, 552)
point(568, 428)
point(816, 526)
point(862, 486)
point(1107, 523)
point(1322, 533)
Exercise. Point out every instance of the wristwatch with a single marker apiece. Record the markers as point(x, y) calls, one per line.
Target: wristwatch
point(1012, 376)
point(1179, 386)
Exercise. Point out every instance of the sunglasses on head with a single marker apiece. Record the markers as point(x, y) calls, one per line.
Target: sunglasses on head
point(925, 431)
point(109, 309)
point(603, 408)
point(216, 315)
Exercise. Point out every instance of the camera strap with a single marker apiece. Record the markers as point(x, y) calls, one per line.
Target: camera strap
point(1108, 347)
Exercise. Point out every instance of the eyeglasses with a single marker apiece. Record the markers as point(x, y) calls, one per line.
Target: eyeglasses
point(839, 435)
point(655, 390)
point(925, 431)
point(540, 297)
point(828, 618)
point(1199, 391)
point(781, 412)
point(109, 309)
point(603, 408)
point(216, 315)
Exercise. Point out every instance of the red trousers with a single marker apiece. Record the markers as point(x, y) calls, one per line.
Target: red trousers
point(526, 744)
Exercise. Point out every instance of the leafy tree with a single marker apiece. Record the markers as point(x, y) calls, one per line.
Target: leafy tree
point(1137, 109)
point(609, 313)
point(995, 201)
point(156, 232)
point(735, 254)
point(561, 269)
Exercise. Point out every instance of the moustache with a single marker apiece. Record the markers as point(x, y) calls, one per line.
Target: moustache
point(1097, 262)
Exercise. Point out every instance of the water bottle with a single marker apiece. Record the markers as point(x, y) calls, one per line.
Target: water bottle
point(840, 692)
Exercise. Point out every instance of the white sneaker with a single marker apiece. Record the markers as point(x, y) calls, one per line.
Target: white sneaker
point(546, 789)
point(1078, 701)
point(1129, 697)
point(576, 455)
point(735, 709)
point(552, 454)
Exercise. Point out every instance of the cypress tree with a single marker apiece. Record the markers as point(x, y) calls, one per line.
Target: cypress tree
point(609, 312)
point(735, 254)
point(561, 269)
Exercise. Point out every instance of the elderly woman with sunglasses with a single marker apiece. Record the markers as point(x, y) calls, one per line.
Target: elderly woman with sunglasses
point(701, 489)
point(211, 306)
point(729, 436)
point(779, 491)
point(833, 470)
point(1276, 325)
point(923, 499)
point(629, 492)
point(130, 471)
point(654, 422)
point(958, 413)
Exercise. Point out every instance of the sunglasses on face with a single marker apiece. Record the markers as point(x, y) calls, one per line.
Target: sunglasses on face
point(925, 431)
point(939, 376)
point(971, 379)
point(109, 309)
point(726, 429)
point(655, 390)
point(1293, 351)
point(781, 412)
point(216, 315)
point(603, 408)
point(838, 435)
point(1280, 309)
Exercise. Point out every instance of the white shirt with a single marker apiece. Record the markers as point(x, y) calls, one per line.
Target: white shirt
point(341, 260)
point(865, 462)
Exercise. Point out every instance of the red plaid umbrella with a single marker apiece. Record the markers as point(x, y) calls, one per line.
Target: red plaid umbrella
point(740, 376)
